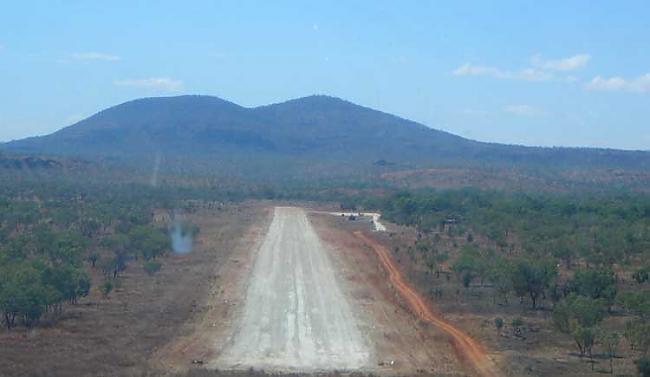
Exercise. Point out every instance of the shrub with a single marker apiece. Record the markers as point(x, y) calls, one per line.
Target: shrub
point(151, 267)
point(498, 322)
point(643, 366)
point(641, 275)
point(106, 288)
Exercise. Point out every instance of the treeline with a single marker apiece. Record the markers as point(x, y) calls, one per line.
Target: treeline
point(596, 229)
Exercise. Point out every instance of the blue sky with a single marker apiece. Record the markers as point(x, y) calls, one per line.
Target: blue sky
point(527, 72)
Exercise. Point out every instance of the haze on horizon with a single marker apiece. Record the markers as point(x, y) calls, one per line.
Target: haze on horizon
point(551, 74)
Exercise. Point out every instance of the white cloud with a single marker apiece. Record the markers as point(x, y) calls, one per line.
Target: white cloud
point(541, 70)
point(523, 110)
point(612, 83)
point(157, 83)
point(642, 83)
point(468, 69)
point(639, 84)
point(565, 64)
point(533, 74)
point(527, 74)
point(88, 56)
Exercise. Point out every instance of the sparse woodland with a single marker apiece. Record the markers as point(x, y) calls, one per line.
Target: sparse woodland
point(53, 234)
point(582, 259)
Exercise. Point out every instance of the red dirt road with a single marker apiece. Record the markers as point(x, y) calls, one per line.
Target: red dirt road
point(469, 350)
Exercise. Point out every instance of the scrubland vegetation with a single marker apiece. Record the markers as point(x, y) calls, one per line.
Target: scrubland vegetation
point(53, 235)
point(578, 257)
point(581, 258)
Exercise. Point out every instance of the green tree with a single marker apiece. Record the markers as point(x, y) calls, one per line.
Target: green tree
point(637, 330)
point(517, 325)
point(641, 275)
point(532, 278)
point(596, 284)
point(637, 333)
point(93, 258)
point(441, 258)
point(643, 366)
point(22, 294)
point(610, 342)
point(500, 275)
point(637, 303)
point(585, 338)
point(468, 265)
point(577, 311)
point(106, 288)
point(70, 282)
point(498, 323)
point(148, 242)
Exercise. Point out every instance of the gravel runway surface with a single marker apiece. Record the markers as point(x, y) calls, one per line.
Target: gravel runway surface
point(296, 316)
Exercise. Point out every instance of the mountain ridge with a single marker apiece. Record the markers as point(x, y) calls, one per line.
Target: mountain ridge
point(312, 130)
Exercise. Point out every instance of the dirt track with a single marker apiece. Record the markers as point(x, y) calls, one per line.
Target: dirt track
point(469, 350)
point(296, 316)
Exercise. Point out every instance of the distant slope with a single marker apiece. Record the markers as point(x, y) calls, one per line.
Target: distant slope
point(144, 125)
point(315, 134)
point(321, 124)
point(29, 163)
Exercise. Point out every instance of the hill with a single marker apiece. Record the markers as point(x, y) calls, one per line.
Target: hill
point(316, 135)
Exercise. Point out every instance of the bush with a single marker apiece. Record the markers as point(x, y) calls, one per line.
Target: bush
point(106, 288)
point(517, 325)
point(585, 337)
point(641, 275)
point(637, 333)
point(93, 258)
point(595, 284)
point(643, 366)
point(498, 322)
point(151, 267)
point(577, 311)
